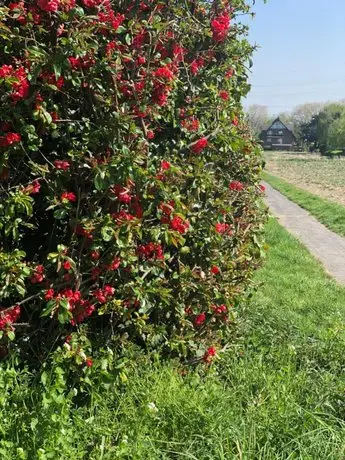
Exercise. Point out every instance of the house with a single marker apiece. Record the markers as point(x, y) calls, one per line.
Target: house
point(278, 137)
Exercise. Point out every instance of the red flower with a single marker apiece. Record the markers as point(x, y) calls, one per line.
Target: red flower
point(209, 353)
point(196, 65)
point(220, 26)
point(179, 225)
point(223, 228)
point(51, 79)
point(6, 71)
point(21, 86)
point(20, 8)
point(102, 294)
point(199, 320)
point(141, 60)
point(75, 62)
point(84, 62)
point(151, 251)
point(122, 217)
point(10, 139)
point(95, 272)
point(116, 262)
point(262, 188)
point(224, 95)
point(219, 309)
point(167, 208)
point(108, 290)
point(215, 270)
point(200, 145)
point(63, 165)
point(49, 294)
point(88, 362)
point(68, 196)
point(8, 317)
point(236, 185)
point(122, 193)
point(38, 275)
point(229, 73)
point(49, 5)
point(165, 165)
point(190, 124)
point(91, 3)
point(178, 52)
point(67, 265)
point(164, 73)
point(32, 188)
point(55, 116)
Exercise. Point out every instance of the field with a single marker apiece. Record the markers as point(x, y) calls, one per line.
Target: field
point(321, 176)
point(278, 394)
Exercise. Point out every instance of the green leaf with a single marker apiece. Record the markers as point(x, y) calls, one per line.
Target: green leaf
point(107, 233)
point(11, 335)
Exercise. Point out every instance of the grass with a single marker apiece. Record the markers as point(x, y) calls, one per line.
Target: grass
point(331, 214)
point(278, 394)
point(318, 175)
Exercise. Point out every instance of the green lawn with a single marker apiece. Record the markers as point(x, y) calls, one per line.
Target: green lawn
point(331, 214)
point(278, 394)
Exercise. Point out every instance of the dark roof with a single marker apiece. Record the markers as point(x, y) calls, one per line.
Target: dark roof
point(285, 125)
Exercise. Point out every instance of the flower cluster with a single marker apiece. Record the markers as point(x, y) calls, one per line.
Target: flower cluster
point(151, 251)
point(8, 317)
point(199, 145)
point(220, 26)
point(18, 81)
point(236, 185)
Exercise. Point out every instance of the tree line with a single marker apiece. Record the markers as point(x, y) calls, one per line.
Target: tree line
point(317, 126)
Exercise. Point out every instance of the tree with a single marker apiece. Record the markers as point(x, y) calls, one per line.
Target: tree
point(258, 118)
point(129, 198)
point(336, 133)
point(308, 133)
point(301, 119)
point(325, 120)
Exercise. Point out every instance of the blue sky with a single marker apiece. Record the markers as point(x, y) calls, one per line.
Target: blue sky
point(302, 53)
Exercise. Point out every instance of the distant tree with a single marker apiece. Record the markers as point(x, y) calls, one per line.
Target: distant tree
point(327, 128)
point(303, 121)
point(336, 133)
point(307, 133)
point(258, 118)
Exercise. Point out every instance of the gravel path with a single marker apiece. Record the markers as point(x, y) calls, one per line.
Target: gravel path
point(325, 245)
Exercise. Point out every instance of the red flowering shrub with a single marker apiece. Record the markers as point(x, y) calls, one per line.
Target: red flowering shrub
point(120, 132)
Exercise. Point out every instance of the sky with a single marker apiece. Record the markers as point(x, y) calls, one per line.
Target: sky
point(302, 53)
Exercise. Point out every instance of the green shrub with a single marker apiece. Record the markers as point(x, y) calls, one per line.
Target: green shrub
point(129, 181)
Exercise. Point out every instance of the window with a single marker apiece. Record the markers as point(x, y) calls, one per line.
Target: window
point(277, 125)
point(269, 139)
point(269, 133)
point(280, 133)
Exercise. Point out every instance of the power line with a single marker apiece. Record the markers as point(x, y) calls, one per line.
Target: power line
point(296, 93)
point(273, 85)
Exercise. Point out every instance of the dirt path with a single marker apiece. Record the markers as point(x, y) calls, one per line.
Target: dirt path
point(326, 246)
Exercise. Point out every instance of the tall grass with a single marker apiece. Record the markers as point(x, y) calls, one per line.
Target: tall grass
point(277, 394)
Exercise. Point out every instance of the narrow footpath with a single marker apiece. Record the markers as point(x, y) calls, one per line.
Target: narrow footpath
point(325, 245)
